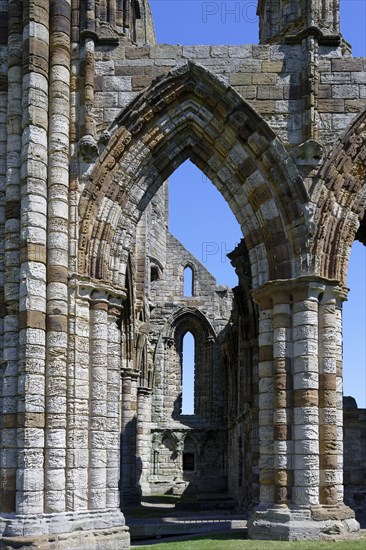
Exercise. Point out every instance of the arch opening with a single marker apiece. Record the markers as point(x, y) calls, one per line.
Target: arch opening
point(354, 327)
point(188, 373)
point(188, 281)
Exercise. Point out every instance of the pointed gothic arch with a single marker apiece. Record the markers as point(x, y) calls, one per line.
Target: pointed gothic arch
point(192, 114)
point(340, 199)
point(189, 319)
point(192, 320)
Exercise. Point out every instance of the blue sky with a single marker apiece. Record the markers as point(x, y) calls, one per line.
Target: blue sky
point(212, 230)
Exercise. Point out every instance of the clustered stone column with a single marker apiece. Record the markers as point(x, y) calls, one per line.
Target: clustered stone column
point(299, 428)
point(81, 467)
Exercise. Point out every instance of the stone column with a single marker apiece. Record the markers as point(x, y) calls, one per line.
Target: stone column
point(33, 256)
point(11, 112)
point(114, 388)
point(330, 387)
point(11, 118)
point(341, 297)
point(266, 458)
point(111, 12)
point(3, 170)
point(57, 257)
point(143, 444)
point(166, 400)
point(302, 499)
point(87, 144)
point(282, 398)
point(78, 394)
point(130, 493)
point(98, 406)
point(119, 14)
point(305, 491)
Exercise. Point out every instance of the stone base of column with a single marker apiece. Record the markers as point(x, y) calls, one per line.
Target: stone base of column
point(315, 523)
point(89, 530)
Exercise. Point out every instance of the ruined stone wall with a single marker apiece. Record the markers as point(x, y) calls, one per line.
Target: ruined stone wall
point(81, 343)
point(205, 314)
point(267, 76)
point(354, 459)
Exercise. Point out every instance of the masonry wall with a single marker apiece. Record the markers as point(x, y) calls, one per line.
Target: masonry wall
point(267, 76)
point(355, 459)
point(205, 314)
point(90, 372)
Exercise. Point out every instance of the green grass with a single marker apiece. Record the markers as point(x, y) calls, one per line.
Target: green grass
point(236, 542)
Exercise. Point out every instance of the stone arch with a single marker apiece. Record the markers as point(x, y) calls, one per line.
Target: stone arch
point(340, 201)
point(189, 320)
point(192, 114)
point(194, 321)
point(189, 269)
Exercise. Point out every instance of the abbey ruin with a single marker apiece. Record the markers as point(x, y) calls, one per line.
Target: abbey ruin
point(94, 118)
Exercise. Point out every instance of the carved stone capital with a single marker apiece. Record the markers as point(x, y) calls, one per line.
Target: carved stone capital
point(88, 148)
point(130, 374)
point(94, 291)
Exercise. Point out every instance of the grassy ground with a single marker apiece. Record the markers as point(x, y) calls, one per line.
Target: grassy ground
point(236, 542)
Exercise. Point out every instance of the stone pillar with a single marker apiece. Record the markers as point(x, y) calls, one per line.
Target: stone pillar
point(339, 391)
point(114, 388)
point(282, 398)
point(98, 406)
point(11, 111)
point(143, 444)
point(266, 457)
point(330, 387)
point(130, 493)
point(78, 394)
point(87, 144)
point(305, 491)
point(300, 476)
point(33, 256)
point(92, 515)
point(57, 257)
point(119, 14)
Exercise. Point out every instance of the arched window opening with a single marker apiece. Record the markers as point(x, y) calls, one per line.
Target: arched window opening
point(188, 373)
point(354, 327)
point(188, 281)
point(188, 462)
point(137, 10)
point(154, 273)
point(189, 456)
point(202, 221)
